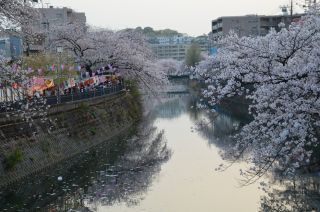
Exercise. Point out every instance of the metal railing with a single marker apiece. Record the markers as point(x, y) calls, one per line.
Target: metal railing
point(98, 91)
point(54, 100)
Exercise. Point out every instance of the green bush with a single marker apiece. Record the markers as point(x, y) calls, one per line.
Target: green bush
point(13, 159)
point(133, 87)
point(45, 147)
point(83, 107)
point(93, 131)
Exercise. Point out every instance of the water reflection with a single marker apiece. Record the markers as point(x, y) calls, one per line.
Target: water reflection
point(138, 172)
point(120, 171)
point(299, 194)
point(130, 176)
point(216, 128)
point(170, 107)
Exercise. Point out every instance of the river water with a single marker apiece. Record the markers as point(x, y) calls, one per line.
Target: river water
point(167, 164)
point(188, 180)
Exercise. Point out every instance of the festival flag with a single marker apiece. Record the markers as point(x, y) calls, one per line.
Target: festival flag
point(62, 67)
point(38, 80)
point(14, 85)
point(30, 70)
point(14, 67)
point(102, 79)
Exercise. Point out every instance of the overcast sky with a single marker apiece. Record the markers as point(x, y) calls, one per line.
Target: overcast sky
point(187, 16)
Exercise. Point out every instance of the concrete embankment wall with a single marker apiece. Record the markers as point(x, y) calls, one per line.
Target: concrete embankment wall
point(74, 128)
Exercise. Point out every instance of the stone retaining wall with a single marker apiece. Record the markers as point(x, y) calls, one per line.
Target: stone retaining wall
point(76, 127)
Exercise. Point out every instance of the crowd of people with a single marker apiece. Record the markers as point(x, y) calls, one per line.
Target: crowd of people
point(86, 85)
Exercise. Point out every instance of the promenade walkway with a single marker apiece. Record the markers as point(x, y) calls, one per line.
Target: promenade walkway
point(55, 100)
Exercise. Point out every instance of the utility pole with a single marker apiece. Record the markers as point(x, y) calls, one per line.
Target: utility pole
point(291, 9)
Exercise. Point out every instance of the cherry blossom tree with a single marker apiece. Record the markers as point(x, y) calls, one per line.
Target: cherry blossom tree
point(171, 66)
point(279, 74)
point(15, 15)
point(125, 50)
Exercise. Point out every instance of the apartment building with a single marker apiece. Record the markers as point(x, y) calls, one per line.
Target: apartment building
point(175, 47)
point(173, 51)
point(249, 25)
point(57, 16)
point(50, 17)
point(242, 25)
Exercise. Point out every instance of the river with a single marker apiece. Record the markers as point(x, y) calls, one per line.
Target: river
point(188, 181)
point(167, 164)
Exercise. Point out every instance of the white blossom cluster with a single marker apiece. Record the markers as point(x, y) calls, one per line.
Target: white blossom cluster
point(280, 75)
point(15, 13)
point(171, 66)
point(93, 48)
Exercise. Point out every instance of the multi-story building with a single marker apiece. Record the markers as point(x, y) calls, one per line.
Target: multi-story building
point(10, 46)
point(268, 22)
point(58, 16)
point(177, 39)
point(249, 25)
point(173, 51)
point(203, 42)
point(242, 25)
point(175, 47)
point(50, 17)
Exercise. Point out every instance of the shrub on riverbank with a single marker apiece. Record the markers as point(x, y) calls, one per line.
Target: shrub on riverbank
point(13, 159)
